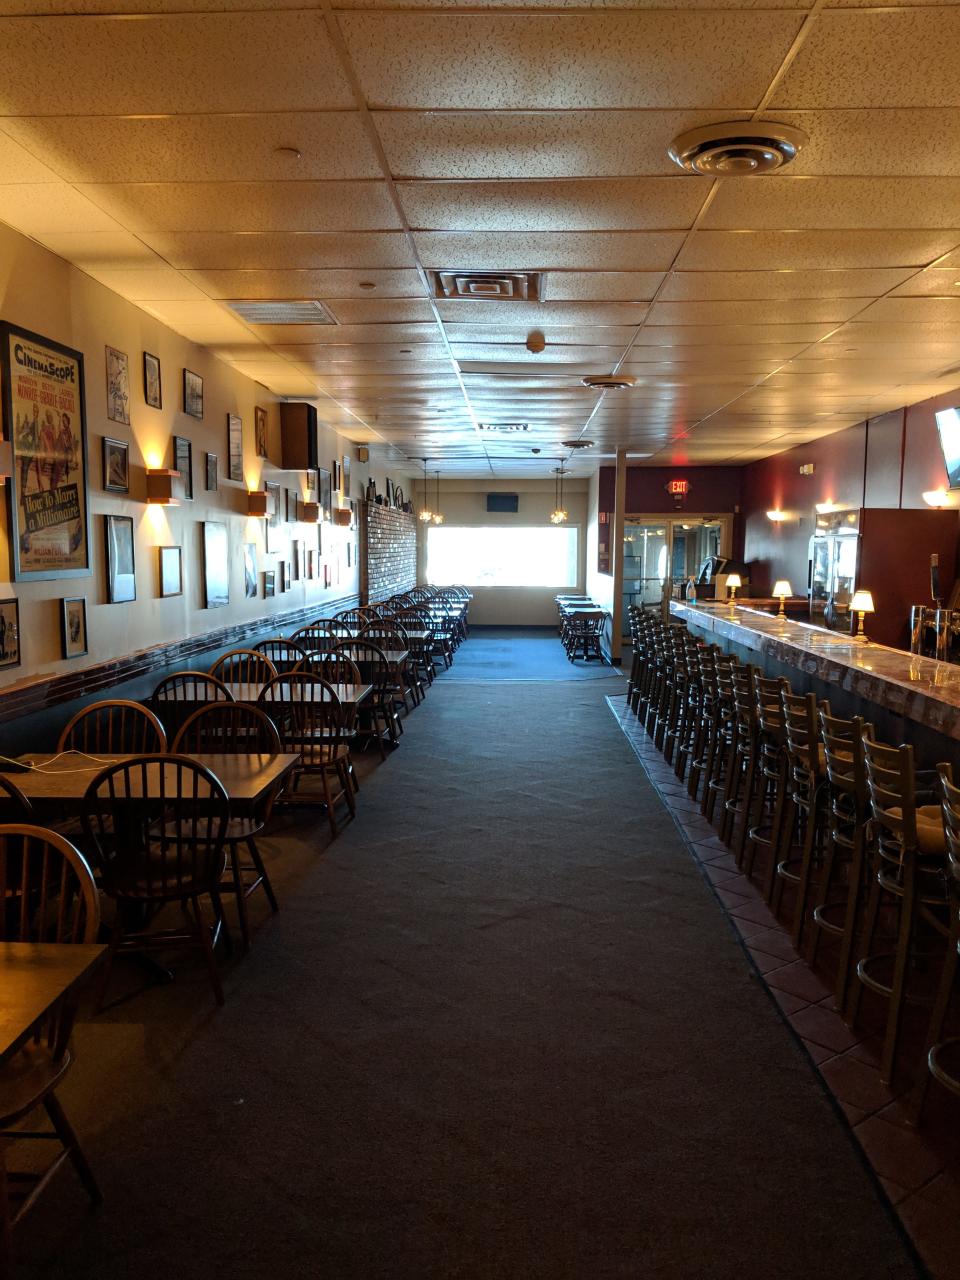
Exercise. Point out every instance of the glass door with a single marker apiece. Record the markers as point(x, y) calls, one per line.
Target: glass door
point(658, 548)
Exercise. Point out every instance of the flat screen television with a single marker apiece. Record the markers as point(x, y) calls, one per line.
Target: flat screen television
point(948, 425)
point(501, 502)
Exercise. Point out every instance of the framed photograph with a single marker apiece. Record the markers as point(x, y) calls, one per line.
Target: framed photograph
point(260, 431)
point(250, 570)
point(319, 539)
point(274, 498)
point(345, 477)
point(73, 627)
point(171, 571)
point(311, 564)
point(234, 447)
point(326, 575)
point(389, 491)
point(47, 502)
point(116, 469)
point(118, 386)
point(183, 462)
point(192, 394)
point(326, 495)
point(336, 475)
point(269, 584)
point(216, 565)
point(121, 569)
point(283, 575)
point(152, 390)
point(311, 476)
point(10, 633)
point(349, 560)
point(291, 506)
point(297, 552)
point(212, 464)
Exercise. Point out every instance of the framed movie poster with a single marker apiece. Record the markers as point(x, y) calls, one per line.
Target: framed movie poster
point(326, 495)
point(116, 470)
point(274, 495)
point(183, 462)
point(260, 431)
point(234, 447)
point(9, 633)
point(192, 394)
point(152, 390)
point(121, 572)
point(118, 386)
point(171, 571)
point(45, 415)
point(216, 565)
point(345, 476)
point(73, 627)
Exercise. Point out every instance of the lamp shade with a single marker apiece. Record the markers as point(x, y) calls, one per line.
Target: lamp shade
point(160, 486)
point(257, 503)
point(733, 580)
point(782, 589)
point(862, 602)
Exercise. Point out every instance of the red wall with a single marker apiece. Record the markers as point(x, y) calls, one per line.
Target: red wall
point(713, 490)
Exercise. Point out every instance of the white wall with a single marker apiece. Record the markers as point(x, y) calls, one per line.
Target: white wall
point(463, 502)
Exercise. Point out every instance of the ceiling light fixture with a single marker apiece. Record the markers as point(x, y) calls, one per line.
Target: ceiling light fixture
point(438, 514)
point(608, 381)
point(741, 148)
point(558, 515)
point(577, 444)
point(426, 515)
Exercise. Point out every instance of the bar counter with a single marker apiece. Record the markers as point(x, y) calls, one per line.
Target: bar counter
point(916, 690)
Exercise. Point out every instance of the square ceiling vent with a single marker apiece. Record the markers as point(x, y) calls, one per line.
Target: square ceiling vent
point(486, 286)
point(281, 311)
point(504, 428)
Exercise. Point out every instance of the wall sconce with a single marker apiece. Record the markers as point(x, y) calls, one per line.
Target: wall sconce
point(733, 582)
point(824, 508)
point(257, 504)
point(310, 512)
point(862, 603)
point(936, 498)
point(160, 486)
point(776, 515)
point(342, 517)
point(782, 589)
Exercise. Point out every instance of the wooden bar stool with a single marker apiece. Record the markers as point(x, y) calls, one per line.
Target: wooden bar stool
point(806, 798)
point(767, 791)
point(741, 754)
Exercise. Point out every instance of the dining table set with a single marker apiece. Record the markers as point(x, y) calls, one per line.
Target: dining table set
point(157, 807)
point(581, 622)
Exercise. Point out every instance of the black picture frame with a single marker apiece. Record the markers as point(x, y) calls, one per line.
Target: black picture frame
point(30, 533)
point(183, 462)
point(260, 431)
point(234, 447)
point(170, 569)
point(269, 584)
point(118, 385)
point(193, 394)
point(274, 494)
point(325, 494)
point(73, 627)
point(250, 570)
point(9, 626)
point(211, 472)
point(152, 381)
point(121, 559)
point(115, 455)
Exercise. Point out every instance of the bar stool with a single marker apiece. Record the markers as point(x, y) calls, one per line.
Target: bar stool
point(741, 753)
point(805, 799)
point(721, 731)
point(907, 870)
point(716, 698)
point(846, 812)
point(768, 788)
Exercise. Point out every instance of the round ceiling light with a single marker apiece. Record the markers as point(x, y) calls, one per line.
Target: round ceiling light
point(743, 148)
point(608, 381)
point(577, 444)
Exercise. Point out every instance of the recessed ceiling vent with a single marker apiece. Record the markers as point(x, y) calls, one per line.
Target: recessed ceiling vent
point(577, 444)
point(608, 381)
point(504, 428)
point(487, 286)
point(740, 149)
point(281, 311)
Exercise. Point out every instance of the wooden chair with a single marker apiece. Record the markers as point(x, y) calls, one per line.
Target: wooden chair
point(49, 895)
point(158, 823)
point(282, 654)
point(243, 666)
point(315, 635)
point(380, 716)
point(353, 618)
point(176, 697)
point(391, 636)
point(114, 725)
point(311, 720)
point(230, 729)
point(14, 805)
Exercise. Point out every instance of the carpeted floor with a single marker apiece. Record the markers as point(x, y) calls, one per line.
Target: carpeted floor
point(508, 654)
point(499, 1029)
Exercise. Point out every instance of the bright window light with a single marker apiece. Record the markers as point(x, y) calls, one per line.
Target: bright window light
point(492, 557)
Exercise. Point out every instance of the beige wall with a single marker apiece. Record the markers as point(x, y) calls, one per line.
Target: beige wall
point(463, 502)
point(599, 586)
point(41, 292)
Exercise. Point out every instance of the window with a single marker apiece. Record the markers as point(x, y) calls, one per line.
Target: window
point(502, 557)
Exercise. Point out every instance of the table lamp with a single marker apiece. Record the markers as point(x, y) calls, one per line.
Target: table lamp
point(862, 603)
point(733, 581)
point(782, 589)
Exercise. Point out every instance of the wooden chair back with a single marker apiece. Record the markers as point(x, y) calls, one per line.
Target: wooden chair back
point(243, 666)
point(115, 725)
point(315, 635)
point(14, 805)
point(47, 890)
point(308, 714)
point(282, 654)
point(176, 697)
point(228, 729)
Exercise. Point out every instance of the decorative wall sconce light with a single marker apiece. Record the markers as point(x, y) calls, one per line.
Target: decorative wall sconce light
point(824, 508)
point(781, 590)
point(160, 486)
point(257, 502)
point(776, 515)
point(342, 517)
point(862, 603)
point(310, 512)
point(936, 498)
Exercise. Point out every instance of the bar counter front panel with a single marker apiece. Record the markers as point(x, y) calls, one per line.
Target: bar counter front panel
point(907, 698)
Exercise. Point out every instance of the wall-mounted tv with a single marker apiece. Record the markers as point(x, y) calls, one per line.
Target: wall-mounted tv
point(948, 425)
point(503, 502)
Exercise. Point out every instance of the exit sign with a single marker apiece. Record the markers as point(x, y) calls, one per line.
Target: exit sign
point(678, 488)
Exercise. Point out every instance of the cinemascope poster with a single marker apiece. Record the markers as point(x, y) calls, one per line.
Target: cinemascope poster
point(45, 422)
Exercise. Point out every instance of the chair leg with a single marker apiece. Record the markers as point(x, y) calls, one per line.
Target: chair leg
point(851, 916)
point(938, 1016)
point(866, 946)
point(206, 945)
point(241, 897)
point(806, 871)
point(116, 936)
point(71, 1144)
point(899, 985)
point(261, 871)
point(331, 816)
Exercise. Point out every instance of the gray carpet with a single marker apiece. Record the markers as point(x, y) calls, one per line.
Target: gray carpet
point(499, 1029)
point(508, 654)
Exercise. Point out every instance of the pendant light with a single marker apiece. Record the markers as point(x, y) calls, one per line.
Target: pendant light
point(426, 515)
point(558, 515)
point(438, 514)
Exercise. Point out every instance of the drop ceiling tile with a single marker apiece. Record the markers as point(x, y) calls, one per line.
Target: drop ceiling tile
point(835, 203)
point(247, 206)
point(533, 144)
point(807, 311)
point(398, 365)
point(270, 61)
point(813, 250)
point(50, 208)
point(886, 142)
point(884, 58)
point(158, 284)
point(279, 251)
point(555, 335)
point(722, 61)
point(216, 148)
point(145, 7)
point(914, 310)
point(596, 359)
point(600, 286)
point(532, 251)
point(99, 249)
point(934, 282)
point(325, 285)
point(533, 315)
point(710, 286)
point(18, 165)
point(343, 335)
point(355, 311)
point(952, 259)
point(731, 335)
point(327, 354)
point(859, 332)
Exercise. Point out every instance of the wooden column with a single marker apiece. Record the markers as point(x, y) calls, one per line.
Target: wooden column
point(616, 556)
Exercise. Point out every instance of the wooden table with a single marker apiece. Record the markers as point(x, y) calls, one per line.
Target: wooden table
point(245, 778)
point(33, 978)
point(351, 695)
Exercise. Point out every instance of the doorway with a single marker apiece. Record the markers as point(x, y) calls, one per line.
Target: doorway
point(656, 548)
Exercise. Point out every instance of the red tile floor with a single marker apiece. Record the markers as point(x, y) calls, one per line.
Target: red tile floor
point(919, 1169)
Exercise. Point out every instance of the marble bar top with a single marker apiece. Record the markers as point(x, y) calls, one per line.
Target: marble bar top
point(916, 688)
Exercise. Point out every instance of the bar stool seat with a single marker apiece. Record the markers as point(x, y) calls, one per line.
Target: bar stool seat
point(930, 834)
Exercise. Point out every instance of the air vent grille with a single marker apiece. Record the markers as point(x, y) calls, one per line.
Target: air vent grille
point(504, 428)
point(487, 286)
point(281, 311)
